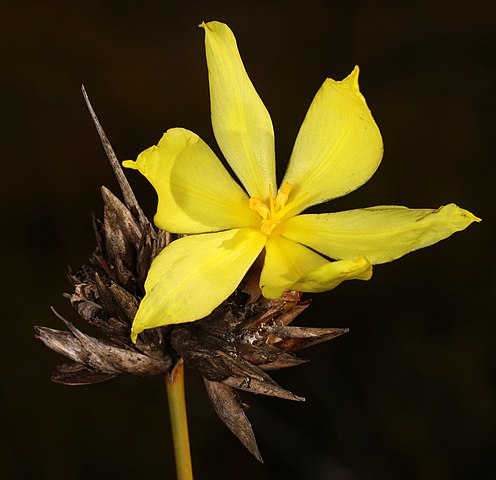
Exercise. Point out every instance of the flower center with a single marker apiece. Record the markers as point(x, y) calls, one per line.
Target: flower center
point(270, 214)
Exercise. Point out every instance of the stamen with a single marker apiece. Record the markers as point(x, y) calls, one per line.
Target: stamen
point(259, 207)
point(271, 202)
point(282, 195)
point(270, 214)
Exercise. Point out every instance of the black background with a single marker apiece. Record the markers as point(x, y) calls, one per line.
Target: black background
point(409, 392)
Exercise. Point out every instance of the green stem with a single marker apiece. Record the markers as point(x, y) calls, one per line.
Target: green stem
point(179, 422)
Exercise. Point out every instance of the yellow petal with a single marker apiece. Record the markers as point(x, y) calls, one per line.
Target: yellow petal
point(338, 147)
point(194, 275)
point(285, 263)
point(291, 266)
point(196, 194)
point(381, 234)
point(329, 276)
point(241, 123)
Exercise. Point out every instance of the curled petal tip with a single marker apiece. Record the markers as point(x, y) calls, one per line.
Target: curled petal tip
point(352, 78)
point(134, 335)
point(210, 26)
point(463, 218)
point(470, 216)
point(130, 164)
point(473, 217)
point(362, 269)
point(349, 80)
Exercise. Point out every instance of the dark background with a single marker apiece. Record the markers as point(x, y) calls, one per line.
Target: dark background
point(409, 392)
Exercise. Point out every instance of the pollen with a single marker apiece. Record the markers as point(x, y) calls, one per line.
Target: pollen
point(271, 214)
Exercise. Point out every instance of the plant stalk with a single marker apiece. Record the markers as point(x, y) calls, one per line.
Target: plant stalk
point(179, 422)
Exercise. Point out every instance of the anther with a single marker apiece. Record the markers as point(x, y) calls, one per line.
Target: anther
point(283, 194)
point(259, 207)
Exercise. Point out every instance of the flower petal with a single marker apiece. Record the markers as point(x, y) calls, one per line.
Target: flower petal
point(329, 276)
point(285, 263)
point(381, 234)
point(194, 275)
point(291, 266)
point(241, 123)
point(338, 147)
point(196, 194)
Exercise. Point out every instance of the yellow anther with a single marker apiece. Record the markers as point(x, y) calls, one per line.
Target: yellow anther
point(282, 195)
point(259, 207)
point(270, 214)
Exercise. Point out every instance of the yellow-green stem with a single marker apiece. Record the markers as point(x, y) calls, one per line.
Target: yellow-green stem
point(179, 422)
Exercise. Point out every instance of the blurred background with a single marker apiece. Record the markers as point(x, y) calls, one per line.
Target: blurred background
point(409, 393)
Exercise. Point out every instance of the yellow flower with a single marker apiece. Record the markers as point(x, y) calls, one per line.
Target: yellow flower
point(338, 149)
